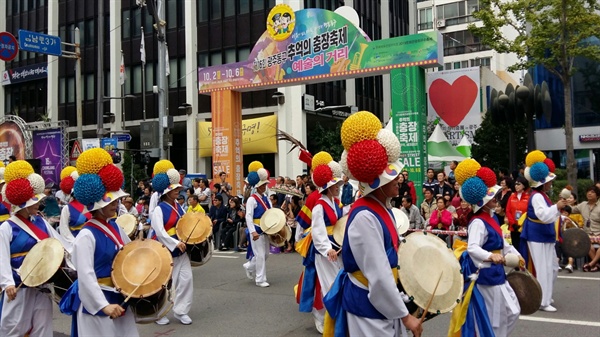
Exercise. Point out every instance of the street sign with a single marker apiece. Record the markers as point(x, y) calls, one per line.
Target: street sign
point(75, 151)
point(40, 43)
point(9, 48)
point(122, 137)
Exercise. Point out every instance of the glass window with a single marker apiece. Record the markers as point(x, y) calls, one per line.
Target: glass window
point(215, 59)
point(137, 73)
point(457, 65)
point(425, 18)
point(451, 10)
point(258, 5)
point(90, 87)
point(202, 7)
point(448, 66)
point(472, 6)
point(61, 90)
point(244, 6)
point(215, 9)
point(90, 32)
point(182, 78)
point(171, 14)
point(126, 24)
point(128, 80)
point(230, 55)
point(70, 89)
point(229, 9)
point(174, 75)
point(203, 60)
point(150, 71)
point(243, 54)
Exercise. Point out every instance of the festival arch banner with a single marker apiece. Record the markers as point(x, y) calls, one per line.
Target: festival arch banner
point(303, 47)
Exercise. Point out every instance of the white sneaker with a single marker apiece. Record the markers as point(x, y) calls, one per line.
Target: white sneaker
point(548, 308)
point(163, 321)
point(262, 284)
point(318, 325)
point(569, 268)
point(184, 319)
point(249, 274)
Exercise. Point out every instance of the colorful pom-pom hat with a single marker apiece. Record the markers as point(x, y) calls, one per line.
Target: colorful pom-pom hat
point(539, 170)
point(166, 177)
point(99, 182)
point(68, 176)
point(477, 183)
point(23, 186)
point(325, 171)
point(371, 154)
point(257, 174)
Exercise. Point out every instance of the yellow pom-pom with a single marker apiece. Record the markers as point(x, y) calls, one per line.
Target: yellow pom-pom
point(1, 164)
point(92, 161)
point(67, 172)
point(254, 166)
point(535, 156)
point(358, 127)
point(465, 170)
point(321, 158)
point(162, 166)
point(16, 170)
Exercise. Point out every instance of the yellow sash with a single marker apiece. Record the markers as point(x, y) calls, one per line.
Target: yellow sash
point(172, 231)
point(303, 245)
point(106, 281)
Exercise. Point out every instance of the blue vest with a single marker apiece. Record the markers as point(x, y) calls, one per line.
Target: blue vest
point(533, 229)
point(105, 251)
point(355, 299)
point(169, 215)
point(22, 242)
point(330, 216)
point(494, 275)
point(76, 219)
point(259, 211)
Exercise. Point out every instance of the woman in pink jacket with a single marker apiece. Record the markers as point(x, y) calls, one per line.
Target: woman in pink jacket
point(441, 218)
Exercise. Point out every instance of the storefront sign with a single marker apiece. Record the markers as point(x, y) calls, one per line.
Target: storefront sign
point(24, 74)
point(12, 142)
point(589, 138)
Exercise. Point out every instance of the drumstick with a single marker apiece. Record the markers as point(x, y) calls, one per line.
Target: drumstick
point(26, 276)
point(138, 287)
point(189, 236)
point(431, 299)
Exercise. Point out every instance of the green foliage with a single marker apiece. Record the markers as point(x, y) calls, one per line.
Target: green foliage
point(582, 185)
point(138, 172)
point(490, 147)
point(326, 139)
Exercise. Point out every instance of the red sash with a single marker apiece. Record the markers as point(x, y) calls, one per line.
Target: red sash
point(113, 231)
point(331, 214)
point(41, 235)
point(262, 202)
point(172, 218)
point(383, 213)
point(491, 221)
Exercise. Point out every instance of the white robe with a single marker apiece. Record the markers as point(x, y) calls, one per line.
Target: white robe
point(500, 300)
point(31, 308)
point(365, 237)
point(326, 270)
point(63, 225)
point(260, 248)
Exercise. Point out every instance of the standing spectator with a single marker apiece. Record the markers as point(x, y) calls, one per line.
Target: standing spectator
point(280, 183)
point(430, 180)
point(403, 190)
point(441, 188)
point(273, 199)
point(218, 214)
point(428, 205)
point(139, 191)
point(225, 187)
point(506, 186)
point(128, 203)
point(216, 190)
point(185, 182)
point(456, 199)
point(194, 205)
point(11, 158)
point(347, 192)
point(196, 187)
point(515, 208)
point(300, 184)
point(205, 195)
point(412, 212)
point(411, 186)
point(591, 215)
point(451, 179)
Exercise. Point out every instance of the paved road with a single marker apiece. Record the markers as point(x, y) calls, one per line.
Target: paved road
point(226, 303)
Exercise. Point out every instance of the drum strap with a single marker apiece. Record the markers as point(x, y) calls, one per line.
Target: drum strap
point(360, 277)
point(108, 230)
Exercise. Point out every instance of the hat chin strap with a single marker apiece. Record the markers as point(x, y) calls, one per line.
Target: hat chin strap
point(388, 199)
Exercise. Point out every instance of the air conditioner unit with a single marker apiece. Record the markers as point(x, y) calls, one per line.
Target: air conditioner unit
point(441, 23)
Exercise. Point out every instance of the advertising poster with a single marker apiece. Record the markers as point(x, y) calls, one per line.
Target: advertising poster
point(47, 147)
point(12, 142)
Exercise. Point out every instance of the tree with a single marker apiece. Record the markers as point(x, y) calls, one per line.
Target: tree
point(550, 33)
point(326, 139)
point(491, 141)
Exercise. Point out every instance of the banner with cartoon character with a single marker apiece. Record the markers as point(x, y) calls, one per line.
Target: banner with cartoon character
point(47, 147)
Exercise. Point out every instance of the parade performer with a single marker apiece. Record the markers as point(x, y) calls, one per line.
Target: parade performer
point(73, 215)
point(92, 299)
point(539, 235)
point(4, 205)
point(257, 204)
point(24, 310)
point(490, 305)
point(164, 222)
point(364, 299)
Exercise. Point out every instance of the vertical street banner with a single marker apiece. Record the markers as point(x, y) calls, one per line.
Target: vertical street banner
point(453, 97)
point(409, 122)
point(47, 147)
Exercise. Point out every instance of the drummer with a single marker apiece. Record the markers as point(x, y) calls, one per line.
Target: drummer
point(256, 205)
point(365, 291)
point(486, 243)
point(539, 235)
point(164, 221)
point(24, 310)
point(92, 299)
point(327, 175)
point(73, 215)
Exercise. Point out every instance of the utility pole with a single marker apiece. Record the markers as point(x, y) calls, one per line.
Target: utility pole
point(100, 72)
point(163, 90)
point(78, 85)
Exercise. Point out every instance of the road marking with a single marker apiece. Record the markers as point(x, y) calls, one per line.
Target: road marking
point(226, 257)
point(580, 278)
point(561, 321)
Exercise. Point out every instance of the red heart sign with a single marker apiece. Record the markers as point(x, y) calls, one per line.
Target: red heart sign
point(453, 102)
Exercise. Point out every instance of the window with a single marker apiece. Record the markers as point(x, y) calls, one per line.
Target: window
point(484, 62)
point(457, 65)
point(230, 55)
point(243, 54)
point(447, 66)
point(137, 73)
point(202, 7)
point(203, 60)
point(70, 89)
point(126, 24)
point(215, 59)
point(244, 6)
point(462, 42)
point(90, 87)
point(215, 9)
point(457, 12)
point(172, 14)
point(425, 18)
point(229, 9)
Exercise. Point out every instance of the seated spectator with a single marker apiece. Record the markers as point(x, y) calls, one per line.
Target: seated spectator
point(205, 195)
point(274, 201)
point(461, 219)
point(440, 218)
point(182, 203)
point(194, 205)
point(128, 203)
point(231, 223)
point(577, 218)
point(591, 214)
point(218, 214)
point(412, 212)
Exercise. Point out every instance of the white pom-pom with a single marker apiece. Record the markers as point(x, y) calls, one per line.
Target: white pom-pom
point(173, 175)
point(565, 193)
point(526, 174)
point(336, 169)
point(404, 297)
point(263, 174)
point(391, 144)
point(2, 172)
point(37, 183)
point(473, 277)
point(344, 164)
point(74, 175)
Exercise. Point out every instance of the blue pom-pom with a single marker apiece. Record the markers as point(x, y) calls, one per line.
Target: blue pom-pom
point(253, 178)
point(473, 190)
point(539, 171)
point(160, 182)
point(88, 188)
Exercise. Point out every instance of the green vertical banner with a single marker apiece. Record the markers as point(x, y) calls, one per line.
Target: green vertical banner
point(409, 118)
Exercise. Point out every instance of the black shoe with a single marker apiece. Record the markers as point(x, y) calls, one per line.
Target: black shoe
point(223, 248)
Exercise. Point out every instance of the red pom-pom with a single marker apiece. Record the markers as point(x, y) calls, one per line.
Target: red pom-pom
point(550, 164)
point(19, 191)
point(322, 175)
point(66, 185)
point(366, 160)
point(112, 177)
point(487, 175)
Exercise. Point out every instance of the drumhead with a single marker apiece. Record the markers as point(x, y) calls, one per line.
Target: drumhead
point(576, 243)
point(339, 229)
point(402, 222)
point(127, 222)
point(135, 261)
point(272, 221)
point(279, 239)
point(527, 289)
point(193, 228)
point(422, 258)
point(42, 262)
